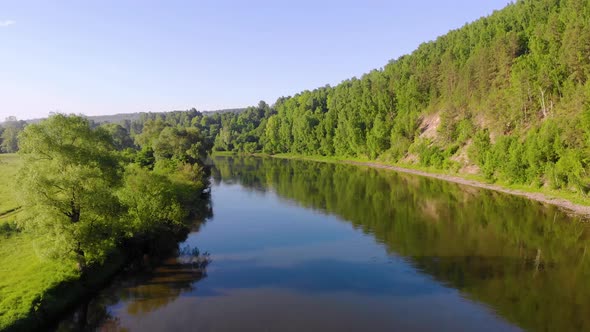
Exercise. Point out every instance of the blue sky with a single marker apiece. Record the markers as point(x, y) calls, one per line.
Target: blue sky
point(106, 57)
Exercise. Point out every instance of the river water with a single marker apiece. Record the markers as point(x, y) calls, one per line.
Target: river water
point(305, 246)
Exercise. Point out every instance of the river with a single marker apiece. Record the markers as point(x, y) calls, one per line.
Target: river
point(306, 246)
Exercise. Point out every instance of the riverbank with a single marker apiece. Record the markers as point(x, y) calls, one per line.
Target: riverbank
point(569, 202)
point(37, 289)
point(41, 306)
point(27, 278)
point(567, 205)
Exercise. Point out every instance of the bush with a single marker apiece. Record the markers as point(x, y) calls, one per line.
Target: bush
point(399, 148)
point(569, 172)
point(430, 155)
point(7, 228)
point(480, 147)
point(464, 131)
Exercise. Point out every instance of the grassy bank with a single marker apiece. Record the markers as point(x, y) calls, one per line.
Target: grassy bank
point(34, 289)
point(37, 290)
point(571, 202)
point(24, 275)
point(25, 278)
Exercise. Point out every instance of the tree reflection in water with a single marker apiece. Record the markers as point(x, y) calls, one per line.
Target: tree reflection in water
point(143, 290)
point(526, 260)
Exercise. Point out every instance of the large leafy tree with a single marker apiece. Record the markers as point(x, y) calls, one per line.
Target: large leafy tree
point(152, 201)
point(66, 185)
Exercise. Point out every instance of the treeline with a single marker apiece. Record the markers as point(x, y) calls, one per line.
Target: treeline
point(131, 122)
point(508, 93)
point(89, 191)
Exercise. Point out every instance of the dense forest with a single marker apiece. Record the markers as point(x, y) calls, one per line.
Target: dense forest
point(506, 97)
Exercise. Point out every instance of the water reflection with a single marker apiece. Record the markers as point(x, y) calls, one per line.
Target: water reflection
point(525, 260)
point(142, 291)
point(303, 246)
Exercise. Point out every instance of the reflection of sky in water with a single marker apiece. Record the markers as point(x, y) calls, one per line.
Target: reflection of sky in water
point(277, 266)
point(246, 221)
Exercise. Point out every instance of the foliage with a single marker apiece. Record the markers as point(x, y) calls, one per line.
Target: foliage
point(25, 276)
point(85, 201)
point(69, 170)
point(71, 173)
point(120, 135)
point(151, 201)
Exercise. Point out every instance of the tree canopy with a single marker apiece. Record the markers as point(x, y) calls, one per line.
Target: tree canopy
point(83, 197)
point(67, 182)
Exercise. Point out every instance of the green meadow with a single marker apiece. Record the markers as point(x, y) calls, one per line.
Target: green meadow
point(9, 164)
point(25, 276)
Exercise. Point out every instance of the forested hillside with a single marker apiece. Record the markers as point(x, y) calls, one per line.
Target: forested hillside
point(507, 97)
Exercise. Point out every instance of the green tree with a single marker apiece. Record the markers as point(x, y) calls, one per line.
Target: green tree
point(152, 202)
point(66, 185)
point(121, 138)
point(378, 138)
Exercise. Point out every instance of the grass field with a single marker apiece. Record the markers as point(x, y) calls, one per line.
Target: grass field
point(34, 290)
point(9, 164)
point(24, 275)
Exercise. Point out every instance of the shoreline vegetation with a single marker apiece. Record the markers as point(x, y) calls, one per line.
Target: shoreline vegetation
point(568, 203)
point(78, 206)
point(63, 296)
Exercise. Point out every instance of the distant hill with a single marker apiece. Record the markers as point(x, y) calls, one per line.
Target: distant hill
point(117, 118)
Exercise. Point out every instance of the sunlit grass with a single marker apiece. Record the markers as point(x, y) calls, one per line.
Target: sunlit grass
point(9, 164)
point(25, 276)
